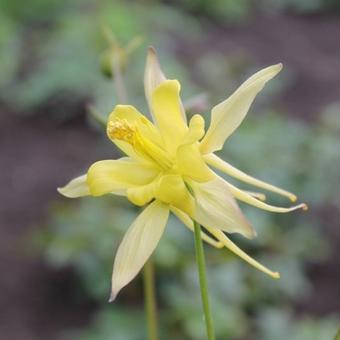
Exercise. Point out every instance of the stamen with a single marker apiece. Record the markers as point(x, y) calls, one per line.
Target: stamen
point(121, 130)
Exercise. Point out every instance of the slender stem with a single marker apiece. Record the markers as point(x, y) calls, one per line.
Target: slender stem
point(203, 282)
point(119, 80)
point(97, 116)
point(150, 300)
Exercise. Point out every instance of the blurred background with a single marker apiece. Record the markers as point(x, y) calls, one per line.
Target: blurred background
point(56, 254)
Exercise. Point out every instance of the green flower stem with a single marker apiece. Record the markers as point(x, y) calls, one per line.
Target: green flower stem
point(150, 300)
point(203, 282)
point(119, 81)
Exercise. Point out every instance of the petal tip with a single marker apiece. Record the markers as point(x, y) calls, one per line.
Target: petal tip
point(293, 197)
point(151, 50)
point(276, 275)
point(278, 67)
point(112, 297)
point(304, 206)
point(63, 191)
point(251, 233)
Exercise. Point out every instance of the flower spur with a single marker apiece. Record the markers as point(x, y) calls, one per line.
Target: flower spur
point(168, 168)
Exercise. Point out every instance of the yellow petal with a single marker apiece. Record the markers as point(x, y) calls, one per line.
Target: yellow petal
point(247, 198)
point(239, 252)
point(187, 221)
point(143, 194)
point(171, 189)
point(228, 115)
point(217, 208)
point(110, 175)
point(132, 116)
point(166, 107)
point(190, 163)
point(196, 130)
point(221, 165)
point(153, 77)
point(75, 188)
point(138, 244)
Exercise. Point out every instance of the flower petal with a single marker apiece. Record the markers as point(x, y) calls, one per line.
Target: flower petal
point(143, 194)
point(228, 115)
point(217, 208)
point(109, 175)
point(75, 188)
point(227, 168)
point(188, 222)
point(196, 130)
point(191, 164)
point(239, 252)
point(153, 77)
point(249, 199)
point(138, 244)
point(166, 107)
point(172, 189)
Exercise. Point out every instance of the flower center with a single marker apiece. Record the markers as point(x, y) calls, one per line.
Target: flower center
point(123, 130)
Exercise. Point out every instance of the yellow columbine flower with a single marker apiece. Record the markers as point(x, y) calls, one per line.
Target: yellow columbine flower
point(168, 169)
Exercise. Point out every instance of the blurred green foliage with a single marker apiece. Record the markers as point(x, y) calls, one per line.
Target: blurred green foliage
point(51, 56)
point(63, 50)
point(51, 49)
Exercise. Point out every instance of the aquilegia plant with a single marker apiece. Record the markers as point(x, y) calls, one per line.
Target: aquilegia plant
point(168, 168)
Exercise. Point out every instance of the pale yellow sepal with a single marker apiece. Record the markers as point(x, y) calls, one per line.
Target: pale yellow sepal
point(75, 188)
point(228, 115)
point(153, 75)
point(217, 208)
point(138, 244)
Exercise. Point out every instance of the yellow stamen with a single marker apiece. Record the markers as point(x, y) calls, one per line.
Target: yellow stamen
point(121, 130)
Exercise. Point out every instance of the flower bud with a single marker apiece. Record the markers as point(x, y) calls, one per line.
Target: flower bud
point(109, 57)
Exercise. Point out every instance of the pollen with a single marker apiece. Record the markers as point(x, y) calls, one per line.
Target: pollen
point(121, 130)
